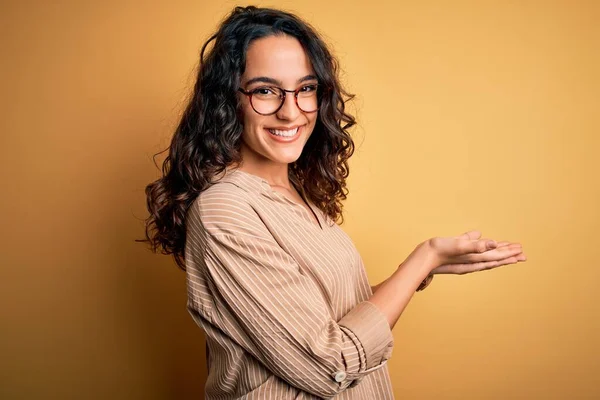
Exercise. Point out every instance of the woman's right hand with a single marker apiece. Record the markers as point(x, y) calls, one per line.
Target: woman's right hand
point(469, 253)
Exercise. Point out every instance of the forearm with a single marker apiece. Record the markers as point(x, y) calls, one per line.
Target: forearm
point(393, 295)
point(374, 288)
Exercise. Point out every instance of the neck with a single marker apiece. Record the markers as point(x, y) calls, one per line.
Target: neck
point(276, 175)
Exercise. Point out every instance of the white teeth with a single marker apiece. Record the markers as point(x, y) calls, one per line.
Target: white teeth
point(289, 133)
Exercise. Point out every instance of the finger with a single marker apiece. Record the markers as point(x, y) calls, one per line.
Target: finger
point(499, 244)
point(487, 265)
point(499, 263)
point(505, 243)
point(498, 253)
point(480, 246)
point(461, 269)
point(471, 235)
point(521, 257)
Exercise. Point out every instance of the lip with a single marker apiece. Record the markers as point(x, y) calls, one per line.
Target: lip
point(282, 139)
point(284, 128)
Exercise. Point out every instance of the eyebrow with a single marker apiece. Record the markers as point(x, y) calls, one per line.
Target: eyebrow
point(266, 79)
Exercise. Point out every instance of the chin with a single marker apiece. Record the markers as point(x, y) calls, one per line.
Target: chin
point(287, 157)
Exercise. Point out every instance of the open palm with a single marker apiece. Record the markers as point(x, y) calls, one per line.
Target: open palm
point(468, 253)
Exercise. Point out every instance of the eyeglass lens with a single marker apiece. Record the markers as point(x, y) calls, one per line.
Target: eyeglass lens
point(267, 100)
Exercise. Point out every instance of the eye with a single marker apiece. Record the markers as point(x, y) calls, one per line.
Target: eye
point(265, 91)
point(309, 88)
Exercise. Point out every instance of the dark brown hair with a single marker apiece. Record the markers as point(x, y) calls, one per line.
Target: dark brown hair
point(208, 137)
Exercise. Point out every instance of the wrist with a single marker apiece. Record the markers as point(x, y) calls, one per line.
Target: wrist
point(429, 257)
point(422, 261)
point(430, 263)
point(425, 282)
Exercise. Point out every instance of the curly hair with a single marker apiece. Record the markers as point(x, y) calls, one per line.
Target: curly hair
point(208, 137)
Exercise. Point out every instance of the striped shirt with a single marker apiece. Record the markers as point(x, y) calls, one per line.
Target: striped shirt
point(282, 299)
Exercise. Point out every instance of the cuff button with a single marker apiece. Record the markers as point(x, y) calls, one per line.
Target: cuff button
point(340, 376)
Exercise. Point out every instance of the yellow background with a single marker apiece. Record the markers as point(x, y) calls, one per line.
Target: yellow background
point(473, 114)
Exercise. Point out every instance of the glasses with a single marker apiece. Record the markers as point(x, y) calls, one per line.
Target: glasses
point(267, 100)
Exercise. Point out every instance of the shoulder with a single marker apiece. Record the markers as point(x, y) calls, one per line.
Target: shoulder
point(225, 208)
point(223, 194)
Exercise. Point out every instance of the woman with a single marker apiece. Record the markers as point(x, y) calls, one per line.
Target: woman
point(251, 191)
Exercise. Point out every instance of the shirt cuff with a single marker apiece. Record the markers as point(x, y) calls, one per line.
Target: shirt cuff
point(370, 332)
point(425, 283)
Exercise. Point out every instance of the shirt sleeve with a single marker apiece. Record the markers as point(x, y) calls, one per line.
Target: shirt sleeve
point(276, 312)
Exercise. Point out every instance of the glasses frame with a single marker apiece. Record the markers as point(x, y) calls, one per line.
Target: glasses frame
point(285, 92)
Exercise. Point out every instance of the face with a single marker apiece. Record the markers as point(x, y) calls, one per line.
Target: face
point(277, 139)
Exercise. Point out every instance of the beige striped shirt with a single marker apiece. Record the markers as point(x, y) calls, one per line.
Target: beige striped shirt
point(282, 299)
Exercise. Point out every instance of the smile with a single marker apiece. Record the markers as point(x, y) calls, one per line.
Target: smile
point(286, 136)
point(289, 133)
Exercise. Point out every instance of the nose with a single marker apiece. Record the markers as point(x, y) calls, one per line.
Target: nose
point(289, 110)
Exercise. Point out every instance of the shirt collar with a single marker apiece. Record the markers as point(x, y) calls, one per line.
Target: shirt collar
point(257, 185)
point(244, 180)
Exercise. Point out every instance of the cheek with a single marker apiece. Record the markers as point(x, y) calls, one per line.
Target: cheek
point(247, 114)
point(253, 122)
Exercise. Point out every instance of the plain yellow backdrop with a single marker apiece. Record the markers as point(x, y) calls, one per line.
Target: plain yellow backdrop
point(472, 115)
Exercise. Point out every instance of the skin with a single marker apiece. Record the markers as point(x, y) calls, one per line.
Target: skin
point(282, 58)
point(459, 255)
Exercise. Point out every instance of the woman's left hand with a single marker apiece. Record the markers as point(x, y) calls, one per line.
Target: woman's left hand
point(461, 269)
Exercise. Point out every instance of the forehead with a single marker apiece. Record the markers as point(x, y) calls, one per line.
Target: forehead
point(280, 57)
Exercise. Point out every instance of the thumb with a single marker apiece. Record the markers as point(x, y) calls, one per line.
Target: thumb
point(471, 235)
